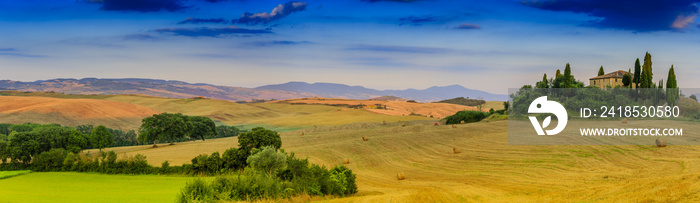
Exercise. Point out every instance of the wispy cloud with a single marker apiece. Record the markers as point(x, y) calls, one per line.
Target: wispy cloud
point(14, 52)
point(211, 32)
point(420, 20)
point(401, 1)
point(468, 26)
point(192, 20)
point(636, 15)
point(400, 49)
point(279, 12)
point(278, 42)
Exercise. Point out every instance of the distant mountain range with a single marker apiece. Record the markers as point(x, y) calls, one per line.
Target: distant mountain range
point(179, 89)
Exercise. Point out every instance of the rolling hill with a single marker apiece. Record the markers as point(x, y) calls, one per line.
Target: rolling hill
point(179, 89)
point(72, 112)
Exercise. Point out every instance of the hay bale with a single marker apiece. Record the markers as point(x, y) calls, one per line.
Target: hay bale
point(346, 161)
point(384, 122)
point(364, 138)
point(302, 133)
point(454, 126)
point(456, 150)
point(400, 176)
point(660, 142)
point(461, 122)
point(624, 121)
point(403, 125)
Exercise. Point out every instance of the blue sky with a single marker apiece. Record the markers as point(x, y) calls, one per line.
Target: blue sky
point(390, 44)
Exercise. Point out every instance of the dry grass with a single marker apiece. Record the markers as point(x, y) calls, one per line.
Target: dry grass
point(488, 170)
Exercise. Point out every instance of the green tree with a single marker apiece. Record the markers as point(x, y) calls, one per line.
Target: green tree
point(268, 160)
point(257, 138)
point(101, 137)
point(23, 146)
point(637, 73)
point(601, 71)
point(164, 126)
point(672, 91)
point(544, 83)
point(557, 74)
point(627, 79)
point(647, 75)
point(201, 127)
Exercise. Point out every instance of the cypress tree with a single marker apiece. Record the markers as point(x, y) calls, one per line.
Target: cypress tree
point(567, 76)
point(672, 93)
point(637, 72)
point(600, 71)
point(558, 74)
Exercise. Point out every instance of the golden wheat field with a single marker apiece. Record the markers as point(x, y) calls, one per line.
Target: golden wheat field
point(486, 170)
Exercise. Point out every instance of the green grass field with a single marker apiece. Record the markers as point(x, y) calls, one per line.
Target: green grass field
point(9, 174)
point(88, 187)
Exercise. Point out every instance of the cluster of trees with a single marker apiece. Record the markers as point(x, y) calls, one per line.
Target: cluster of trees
point(463, 101)
point(26, 141)
point(268, 173)
point(170, 127)
point(642, 78)
point(23, 142)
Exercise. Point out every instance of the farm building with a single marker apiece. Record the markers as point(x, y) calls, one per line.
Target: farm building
point(611, 79)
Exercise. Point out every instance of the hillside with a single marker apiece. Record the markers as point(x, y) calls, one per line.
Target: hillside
point(486, 170)
point(397, 108)
point(333, 90)
point(179, 89)
point(71, 112)
point(152, 87)
point(83, 109)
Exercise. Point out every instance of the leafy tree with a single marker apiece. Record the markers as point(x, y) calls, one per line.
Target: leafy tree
point(5, 128)
point(505, 105)
point(600, 71)
point(637, 73)
point(227, 131)
point(23, 146)
point(164, 126)
point(51, 160)
point(257, 138)
point(85, 129)
point(4, 149)
point(234, 158)
point(201, 127)
point(568, 78)
point(692, 96)
point(544, 83)
point(672, 91)
point(268, 160)
point(101, 137)
point(627, 79)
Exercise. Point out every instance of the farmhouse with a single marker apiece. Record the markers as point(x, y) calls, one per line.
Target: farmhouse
point(611, 79)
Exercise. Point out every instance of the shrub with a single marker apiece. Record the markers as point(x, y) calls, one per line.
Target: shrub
point(466, 116)
point(51, 160)
point(234, 158)
point(268, 160)
point(196, 191)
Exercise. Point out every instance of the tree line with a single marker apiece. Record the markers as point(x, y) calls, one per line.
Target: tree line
point(19, 143)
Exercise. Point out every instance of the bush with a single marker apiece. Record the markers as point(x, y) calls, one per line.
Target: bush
point(466, 116)
point(51, 160)
point(268, 160)
point(195, 191)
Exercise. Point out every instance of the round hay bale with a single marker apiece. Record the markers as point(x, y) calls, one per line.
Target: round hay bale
point(384, 122)
point(624, 121)
point(660, 143)
point(364, 138)
point(456, 150)
point(403, 125)
point(400, 176)
point(454, 126)
point(461, 122)
point(346, 161)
